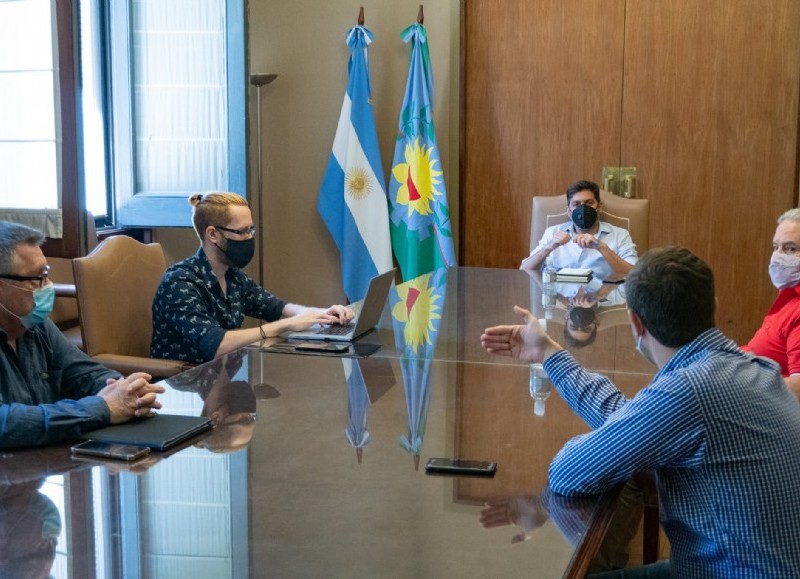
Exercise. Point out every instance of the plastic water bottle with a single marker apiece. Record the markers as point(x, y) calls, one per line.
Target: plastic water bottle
point(539, 388)
point(548, 273)
point(548, 288)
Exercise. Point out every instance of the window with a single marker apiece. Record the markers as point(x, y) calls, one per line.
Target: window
point(179, 111)
point(154, 112)
point(29, 131)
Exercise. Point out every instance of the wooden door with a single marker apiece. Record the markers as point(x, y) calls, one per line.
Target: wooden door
point(710, 117)
point(701, 96)
point(542, 92)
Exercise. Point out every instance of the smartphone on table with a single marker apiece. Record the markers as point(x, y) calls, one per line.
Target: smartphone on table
point(322, 347)
point(461, 466)
point(127, 452)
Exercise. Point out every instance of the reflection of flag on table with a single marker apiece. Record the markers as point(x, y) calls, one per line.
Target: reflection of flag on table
point(357, 406)
point(416, 313)
point(352, 199)
point(422, 238)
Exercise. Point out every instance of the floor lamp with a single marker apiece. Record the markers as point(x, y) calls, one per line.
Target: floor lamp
point(258, 80)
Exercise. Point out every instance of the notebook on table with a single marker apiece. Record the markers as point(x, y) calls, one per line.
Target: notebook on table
point(367, 314)
point(574, 274)
point(159, 432)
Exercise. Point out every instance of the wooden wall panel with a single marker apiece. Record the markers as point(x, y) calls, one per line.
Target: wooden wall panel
point(541, 108)
point(702, 97)
point(710, 118)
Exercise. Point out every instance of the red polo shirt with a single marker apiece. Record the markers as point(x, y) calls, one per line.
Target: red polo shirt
point(778, 338)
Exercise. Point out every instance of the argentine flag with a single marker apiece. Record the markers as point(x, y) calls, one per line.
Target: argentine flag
point(352, 199)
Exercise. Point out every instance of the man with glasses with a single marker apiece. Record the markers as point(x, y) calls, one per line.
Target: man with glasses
point(585, 241)
point(50, 390)
point(201, 303)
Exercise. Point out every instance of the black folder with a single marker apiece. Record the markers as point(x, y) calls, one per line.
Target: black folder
point(159, 432)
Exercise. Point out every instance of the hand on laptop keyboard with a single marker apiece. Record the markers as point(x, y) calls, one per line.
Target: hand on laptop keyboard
point(341, 313)
point(336, 316)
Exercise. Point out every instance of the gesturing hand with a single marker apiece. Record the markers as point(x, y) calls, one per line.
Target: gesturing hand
point(526, 511)
point(559, 239)
point(528, 342)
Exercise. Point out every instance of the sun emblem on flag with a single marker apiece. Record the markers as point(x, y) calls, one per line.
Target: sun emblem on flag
point(357, 183)
point(418, 178)
point(417, 309)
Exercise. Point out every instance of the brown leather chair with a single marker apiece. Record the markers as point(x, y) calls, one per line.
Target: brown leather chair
point(630, 214)
point(65, 308)
point(116, 284)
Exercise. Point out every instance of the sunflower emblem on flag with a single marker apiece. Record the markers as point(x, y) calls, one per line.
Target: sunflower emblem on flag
point(418, 178)
point(419, 217)
point(417, 309)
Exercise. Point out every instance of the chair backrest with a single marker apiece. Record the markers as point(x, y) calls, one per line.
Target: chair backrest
point(630, 214)
point(65, 308)
point(116, 284)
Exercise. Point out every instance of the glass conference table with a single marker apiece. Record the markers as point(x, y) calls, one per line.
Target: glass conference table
point(316, 465)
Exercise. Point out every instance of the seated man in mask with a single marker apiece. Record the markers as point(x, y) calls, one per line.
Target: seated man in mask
point(778, 338)
point(49, 390)
point(202, 301)
point(585, 241)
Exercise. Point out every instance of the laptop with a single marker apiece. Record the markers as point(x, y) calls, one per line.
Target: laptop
point(159, 432)
point(367, 314)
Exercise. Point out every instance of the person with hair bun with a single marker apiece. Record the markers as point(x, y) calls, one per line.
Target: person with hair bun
point(202, 301)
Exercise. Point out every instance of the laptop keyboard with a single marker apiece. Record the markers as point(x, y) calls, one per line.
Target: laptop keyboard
point(336, 329)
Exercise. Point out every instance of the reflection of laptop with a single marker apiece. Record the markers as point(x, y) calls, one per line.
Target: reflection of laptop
point(367, 314)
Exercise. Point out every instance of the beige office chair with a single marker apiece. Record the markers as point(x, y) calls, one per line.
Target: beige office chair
point(630, 214)
point(116, 284)
point(65, 308)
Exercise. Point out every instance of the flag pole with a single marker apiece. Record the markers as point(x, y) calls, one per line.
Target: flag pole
point(258, 80)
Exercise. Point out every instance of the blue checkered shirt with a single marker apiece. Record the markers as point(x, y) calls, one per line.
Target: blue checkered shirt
point(722, 433)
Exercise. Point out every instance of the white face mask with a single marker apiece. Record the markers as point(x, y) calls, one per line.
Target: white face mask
point(784, 270)
point(643, 351)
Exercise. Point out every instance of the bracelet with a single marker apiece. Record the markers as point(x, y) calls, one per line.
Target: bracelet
point(261, 330)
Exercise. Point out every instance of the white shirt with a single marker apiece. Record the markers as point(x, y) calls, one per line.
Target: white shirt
point(572, 255)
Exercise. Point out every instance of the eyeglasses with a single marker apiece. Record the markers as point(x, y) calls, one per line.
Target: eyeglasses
point(40, 278)
point(243, 231)
point(590, 202)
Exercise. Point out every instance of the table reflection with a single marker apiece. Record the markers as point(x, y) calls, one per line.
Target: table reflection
point(30, 526)
point(326, 481)
point(229, 402)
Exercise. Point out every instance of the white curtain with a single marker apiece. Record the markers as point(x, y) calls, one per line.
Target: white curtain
point(30, 136)
point(180, 108)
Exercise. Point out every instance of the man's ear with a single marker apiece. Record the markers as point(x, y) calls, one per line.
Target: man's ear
point(636, 323)
point(212, 234)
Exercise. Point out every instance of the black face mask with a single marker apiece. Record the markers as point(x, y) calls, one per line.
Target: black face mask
point(582, 317)
point(239, 252)
point(584, 216)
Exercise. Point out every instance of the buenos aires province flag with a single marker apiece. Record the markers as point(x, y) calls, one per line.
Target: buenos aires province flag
point(422, 236)
point(352, 199)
